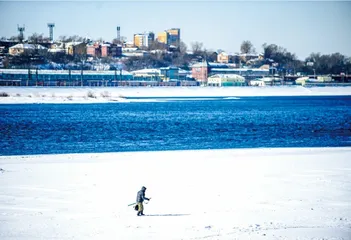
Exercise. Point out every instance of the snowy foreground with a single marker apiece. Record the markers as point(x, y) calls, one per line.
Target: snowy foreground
point(209, 194)
point(120, 94)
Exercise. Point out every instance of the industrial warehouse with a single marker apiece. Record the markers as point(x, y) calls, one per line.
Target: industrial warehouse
point(146, 77)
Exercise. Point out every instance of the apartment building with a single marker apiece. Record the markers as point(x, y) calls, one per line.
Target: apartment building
point(174, 36)
point(163, 37)
point(143, 39)
point(169, 37)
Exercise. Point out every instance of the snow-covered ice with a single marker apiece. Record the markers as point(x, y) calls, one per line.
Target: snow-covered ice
point(119, 94)
point(286, 193)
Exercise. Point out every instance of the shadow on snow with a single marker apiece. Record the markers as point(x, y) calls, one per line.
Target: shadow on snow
point(166, 215)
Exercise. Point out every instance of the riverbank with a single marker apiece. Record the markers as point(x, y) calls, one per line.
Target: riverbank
point(289, 193)
point(10, 95)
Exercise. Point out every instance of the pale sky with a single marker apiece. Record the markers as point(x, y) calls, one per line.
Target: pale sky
point(301, 27)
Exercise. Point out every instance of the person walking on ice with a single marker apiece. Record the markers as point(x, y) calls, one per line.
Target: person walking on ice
point(140, 199)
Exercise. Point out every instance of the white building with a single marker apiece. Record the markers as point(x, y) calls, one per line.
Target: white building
point(257, 82)
point(219, 80)
point(266, 81)
point(144, 39)
point(320, 79)
point(151, 74)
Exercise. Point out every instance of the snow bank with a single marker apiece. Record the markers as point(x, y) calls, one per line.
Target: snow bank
point(119, 94)
point(219, 194)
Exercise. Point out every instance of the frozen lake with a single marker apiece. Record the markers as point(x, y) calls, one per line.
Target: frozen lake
point(210, 194)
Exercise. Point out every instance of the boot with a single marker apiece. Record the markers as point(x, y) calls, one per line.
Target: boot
point(141, 213)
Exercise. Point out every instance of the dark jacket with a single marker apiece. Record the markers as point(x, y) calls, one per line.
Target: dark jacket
point(141, 196)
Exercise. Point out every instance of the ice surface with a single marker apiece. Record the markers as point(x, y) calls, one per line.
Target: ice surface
point(119, 94)
point(211, 194)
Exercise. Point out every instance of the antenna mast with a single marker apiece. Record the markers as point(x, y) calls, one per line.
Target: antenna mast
point(21, 30)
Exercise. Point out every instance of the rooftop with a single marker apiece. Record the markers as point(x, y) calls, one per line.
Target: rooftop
point(86, 72)
point(227, 76)
point(239, 70)
point(28, 46)
point(147, 71)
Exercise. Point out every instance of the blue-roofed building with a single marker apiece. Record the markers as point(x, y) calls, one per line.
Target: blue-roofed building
point(34, 77)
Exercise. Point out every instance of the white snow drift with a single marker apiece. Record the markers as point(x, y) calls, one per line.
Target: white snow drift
point(211, 194)
point(119, 94)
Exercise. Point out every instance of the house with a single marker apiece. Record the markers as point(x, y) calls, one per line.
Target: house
point(129, 44)
point(257, 82)
point(94, 50)
point(223, 57)
point(170, 73)
point(202, 70)
point(133, 52)
point(266, 81)
point(320, 79)
point(75, 48)
point(27, 48)
point(57, 47)
point(148, 74)
point(111, 50)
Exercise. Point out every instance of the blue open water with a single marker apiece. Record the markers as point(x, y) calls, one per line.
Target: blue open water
point(248, 122)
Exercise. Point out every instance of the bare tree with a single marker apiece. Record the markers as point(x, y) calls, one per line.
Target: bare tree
point(182, 47)
point(74, 38)
point(196, 47)
point(36, 38)
point(14, 38)
point(246, 47)
point(220, 51)
point(277, 53)
point(212, 56)
point(63, 38)
point(121, 41)
point(155, 45)
point(100, 40)
point(327, 63)
point(206, 54)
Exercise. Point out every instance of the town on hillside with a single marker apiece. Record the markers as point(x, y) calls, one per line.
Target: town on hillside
point(161, 59)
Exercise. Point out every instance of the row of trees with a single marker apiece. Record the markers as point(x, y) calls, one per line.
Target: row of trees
point(40, 38)
point(276, 56)
point(273, 55)
point(284, 60)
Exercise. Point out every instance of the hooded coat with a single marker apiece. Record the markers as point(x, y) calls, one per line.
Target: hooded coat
point(141, 195)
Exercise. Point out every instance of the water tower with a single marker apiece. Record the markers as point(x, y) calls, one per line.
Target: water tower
point(51, 30)
point(119, 33)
